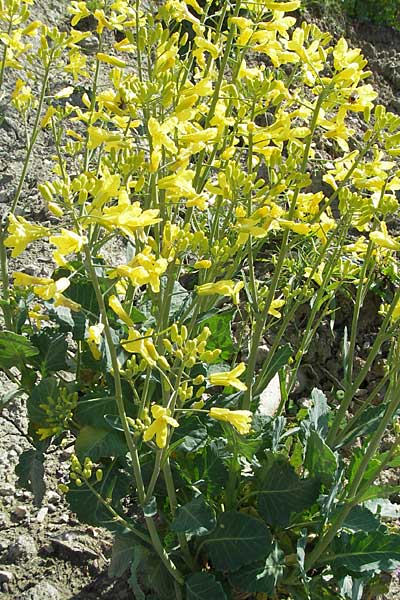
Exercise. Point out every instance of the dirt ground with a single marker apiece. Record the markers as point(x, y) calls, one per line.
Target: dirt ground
point(45, 553)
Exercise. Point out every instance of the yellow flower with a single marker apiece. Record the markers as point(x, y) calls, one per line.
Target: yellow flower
point(143, 269)
point(224, 287)
point(142, 344)
point(94, 339)
point(202, 264)
point(240, 419)
point(22, 233)
point(127, 217)
point(229, 378)
point(25, 280)
point(384, 240)
point(116, 306)
point(159, 427)
point(68, 242)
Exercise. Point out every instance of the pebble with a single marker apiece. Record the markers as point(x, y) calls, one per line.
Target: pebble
point(53, 497)
point(90, 44)
point(24, 547)
point(3, 520)
point(42, 514)
point(20, 512)
point(51, 508)
point(7, 489)
point(6, 576)
point(41, 591)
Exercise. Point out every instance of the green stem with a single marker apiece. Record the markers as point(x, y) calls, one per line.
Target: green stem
point(157, 544)
point(35, 133)
point(6, 308)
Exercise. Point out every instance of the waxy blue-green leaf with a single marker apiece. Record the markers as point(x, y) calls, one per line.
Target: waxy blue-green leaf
point(30, 473)
point(238, 540)
point(262, 576)
point(195, 518)
point(98, 442)
point(203, 586)
point(15, 350)
point(52, 348)
point(282, 493)
point(362, 552)
point(320, 460)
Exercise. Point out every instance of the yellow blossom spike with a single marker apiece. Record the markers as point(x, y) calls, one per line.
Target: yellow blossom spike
point(239, 419)
point(117, 307)
point(22, 233)
point(229, 378)
point(159, 427)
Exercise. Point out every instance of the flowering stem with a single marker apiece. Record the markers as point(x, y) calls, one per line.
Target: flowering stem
point(34, 135)
point(5, 279)
point(261, 318)
point(155, 539)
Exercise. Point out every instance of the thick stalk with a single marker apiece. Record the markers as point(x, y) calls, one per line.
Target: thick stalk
point(261, 318)
point(337, 523)
point(157, 544)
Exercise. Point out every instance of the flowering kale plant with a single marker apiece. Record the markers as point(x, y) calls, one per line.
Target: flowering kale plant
point(194, 215)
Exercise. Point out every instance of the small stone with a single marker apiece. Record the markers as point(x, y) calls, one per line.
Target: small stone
point(3, 520)
point(42, 514)
point(7, 489)
point(6, 576)
point(20, 512)
point(51, 508)
point(24, 547)
point(41, 591)
point(53, 497)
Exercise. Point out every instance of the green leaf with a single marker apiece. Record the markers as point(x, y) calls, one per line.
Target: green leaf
point(361, 519)
point(196, 518)
point(10, 396)
point(30, 473)
point(221, 333)
point(15, 349)
point(319, 459)
point(68, 320)
point(361, 552)
point(363, 423)
point(282, 493)
point(280, 359)
point(89, 509)
point(238, 540)
point(98, 442)
point(82, 292)
point(52, 352)
point(203, 586)
point(194, 439)
point(122, 552)
point(138, 555)
point(318, 415)
point(180, 301)
point(379, 491)
point(92, 408)
point(260, 577)
point(156, 577)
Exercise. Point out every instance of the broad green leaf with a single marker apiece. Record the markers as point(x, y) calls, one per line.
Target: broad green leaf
point(379, 491)
point(362, 552)
point(92, 408)
point(195, 518)
point(15, 349)
point(9, 396)
point(139, 553)
point(98, 442)
point(30, 473)
point(363, 423)
point(191, 436)
point(318, 415)
point(361, 519)
point(122, 553)
point(221, 333)
point(319, 459)
point(52, 348)
point(282, 492)
point(180, 300)
point(156, 577)
point(68, 320)
point(203, 586)
point(89, 509)
point(238, 540)
point(82, 292)
point(262, 576)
